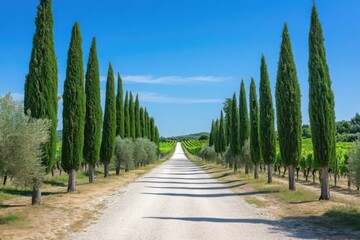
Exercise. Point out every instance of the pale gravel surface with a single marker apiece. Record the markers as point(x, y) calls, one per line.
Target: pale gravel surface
point(179, 200)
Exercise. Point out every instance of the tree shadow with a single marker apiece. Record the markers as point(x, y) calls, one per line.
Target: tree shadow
point(26, 192)
point(210, 195)
point(195, 178)
point(196, 183)
point(199, 188)
point(55, 183)
point(10, 206)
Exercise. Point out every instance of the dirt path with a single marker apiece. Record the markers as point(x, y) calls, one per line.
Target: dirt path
point(179, 200)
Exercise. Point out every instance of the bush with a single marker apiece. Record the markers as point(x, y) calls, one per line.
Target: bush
point(124, 149)
point(209, 154)
point(145, 152)
point(354, 164)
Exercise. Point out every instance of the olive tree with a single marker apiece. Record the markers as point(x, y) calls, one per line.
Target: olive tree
point(21, 145)
point(124, 149)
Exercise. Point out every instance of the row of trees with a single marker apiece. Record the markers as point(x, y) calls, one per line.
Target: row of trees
point(259, 128)
point(86, 135)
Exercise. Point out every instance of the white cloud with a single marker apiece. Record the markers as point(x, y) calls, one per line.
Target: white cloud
point(149, 79)
point(156, 98)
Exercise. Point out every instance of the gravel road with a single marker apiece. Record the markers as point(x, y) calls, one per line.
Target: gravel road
point(179, 200)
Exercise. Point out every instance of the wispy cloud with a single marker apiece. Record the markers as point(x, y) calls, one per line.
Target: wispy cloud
point(156, 98)
point(149, 79)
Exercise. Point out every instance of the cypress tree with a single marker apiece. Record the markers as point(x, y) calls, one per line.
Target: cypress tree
point(132, 117)
point(288, 111)
point(109, 125)
point(157, 139)
point(227, 111)
point(73, 109)
point(137, 118)
point(244, 127)
point(41, 84)
point(254, 129)
point(151, 129)
point(321, 104)
point(93, 119)
point(221, 134)
point(146, 124)
point(142, 122)
point(267, 127)
point(211, 136)
point(234, 137)
point(216, 136)
point(127, 117)
point(120, 114)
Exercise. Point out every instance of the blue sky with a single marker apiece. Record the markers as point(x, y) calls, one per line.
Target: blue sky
point(185, 57)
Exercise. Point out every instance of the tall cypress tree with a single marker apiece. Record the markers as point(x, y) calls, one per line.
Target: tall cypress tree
point(109, 125)
point(127, 117)
point(120, 118)
point(234, 137)
point(137, 118)
point(227, 111)
point(321, 104)
point(254, 129)
point(211, 136)
point(142, 122)
point(151, 129)
point(221, 134)
point(132, 116)
point(267, 127)
point(93, 119)
point(146, 123)
point(73, 109)
point(288, 112)
point(41, 84)
point(216, 136)
point(244, 127)
point(244, 116)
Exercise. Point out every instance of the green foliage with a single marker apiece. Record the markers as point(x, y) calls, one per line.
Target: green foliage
point(142, 122)
point(321, 97)
point(41, 83)
point(137, 118)
point(234, 126)
point(212, 134)
point(194, 146)
point(132, 116)
point(145, 152)
point(354, 164)
point(267, 127)
point(288, 104)
point(166, 147)
point(93, 119)
point(21, 141)
point(345, 216)
point(120, 114)
point(208, 153)
point(124, 150)
point(221, 145)
point(127, 116)
point(109, 125)
point(204, 137)
point(73, 105)
point(244, 117)
point(227, 111)
point(254, 125)
point(9, 218)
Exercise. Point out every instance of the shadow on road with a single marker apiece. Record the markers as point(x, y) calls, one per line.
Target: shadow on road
point(208, 195)
point(199, 188)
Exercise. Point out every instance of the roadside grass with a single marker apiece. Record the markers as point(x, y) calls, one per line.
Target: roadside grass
point(60, 212)
point(345, 216)
point(340, 214)
point(9, 218)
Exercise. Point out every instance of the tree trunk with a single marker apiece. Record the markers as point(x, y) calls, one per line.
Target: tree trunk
point(52, 172)
point(313, 175)
point(126, 167)
point(106, 169)
point(117, 169)
point(349, 182)
point(325, 188)
point(270, 169)
point(307, 174)
point(36, 194)
point(292, 186)
point(91, 173)
point(284, 172)
point(72, 179)
point(297, 173)
point(256, 171)
point(5, 178)
point(246, 168)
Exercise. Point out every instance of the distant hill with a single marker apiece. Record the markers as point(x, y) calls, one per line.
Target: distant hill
point(193, 136)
